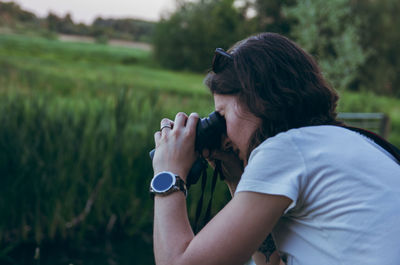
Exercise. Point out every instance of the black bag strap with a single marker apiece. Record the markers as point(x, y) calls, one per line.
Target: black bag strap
point(391, 149)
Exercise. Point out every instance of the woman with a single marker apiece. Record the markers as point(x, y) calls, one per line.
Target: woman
point(327, 194)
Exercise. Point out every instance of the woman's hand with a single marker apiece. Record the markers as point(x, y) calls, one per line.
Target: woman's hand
point(175, 145)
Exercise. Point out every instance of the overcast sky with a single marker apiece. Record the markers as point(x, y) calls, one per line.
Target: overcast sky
point(87, 10)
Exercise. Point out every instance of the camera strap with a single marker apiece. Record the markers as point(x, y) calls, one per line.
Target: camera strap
point(217, 171)
point(207, 216)
point(200, 203)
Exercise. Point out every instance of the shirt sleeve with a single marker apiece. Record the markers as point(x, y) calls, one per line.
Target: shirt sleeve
point(275, 167)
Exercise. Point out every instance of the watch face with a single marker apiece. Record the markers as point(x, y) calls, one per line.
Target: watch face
point(163, 182)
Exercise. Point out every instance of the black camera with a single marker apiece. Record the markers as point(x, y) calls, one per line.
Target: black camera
point(209, 131)
point(208, 135)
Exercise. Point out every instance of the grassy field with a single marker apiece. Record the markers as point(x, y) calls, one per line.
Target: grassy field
point(77, 70)
point(77, 125)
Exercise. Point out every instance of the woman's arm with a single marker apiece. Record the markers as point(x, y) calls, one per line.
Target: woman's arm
point(232, 169)
point(229, 238)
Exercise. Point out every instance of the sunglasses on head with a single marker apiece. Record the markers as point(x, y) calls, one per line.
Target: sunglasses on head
point(220, 60)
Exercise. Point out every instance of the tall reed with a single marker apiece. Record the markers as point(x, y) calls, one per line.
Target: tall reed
point(71, 166)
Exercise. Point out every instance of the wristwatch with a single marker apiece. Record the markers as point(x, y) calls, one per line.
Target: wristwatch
point(165, 183)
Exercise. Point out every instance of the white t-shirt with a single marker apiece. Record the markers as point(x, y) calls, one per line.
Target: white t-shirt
point(345, 191)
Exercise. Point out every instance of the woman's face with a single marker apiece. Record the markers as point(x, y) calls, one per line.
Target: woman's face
point(240, 124)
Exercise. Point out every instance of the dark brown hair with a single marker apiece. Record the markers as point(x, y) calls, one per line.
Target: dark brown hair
point(278, 82)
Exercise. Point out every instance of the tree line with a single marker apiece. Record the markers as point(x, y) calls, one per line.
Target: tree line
point(12, 15)
point(355, 41)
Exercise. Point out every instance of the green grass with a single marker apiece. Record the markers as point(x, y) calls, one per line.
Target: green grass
point(87, 68)
point(369, 102)
point(77, 123)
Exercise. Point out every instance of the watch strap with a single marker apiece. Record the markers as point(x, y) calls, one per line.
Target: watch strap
point(180, 185)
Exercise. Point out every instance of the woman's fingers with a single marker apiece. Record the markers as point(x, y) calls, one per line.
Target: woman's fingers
point(175, 144)
point(157, 137)
point(192, 123)
point(166, 124)
point(180, 120)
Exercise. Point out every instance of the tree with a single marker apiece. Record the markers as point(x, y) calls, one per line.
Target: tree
point(12, 12)
point(270, 16)
point(53, 22)
point(188, 37)
point(329, 31)
point(67, 25)
point(380, 35)
point(130, 29)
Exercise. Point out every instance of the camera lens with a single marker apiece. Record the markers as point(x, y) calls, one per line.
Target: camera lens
point(209, 131)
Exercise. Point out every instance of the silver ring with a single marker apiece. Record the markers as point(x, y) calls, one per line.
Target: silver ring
point(165, 126)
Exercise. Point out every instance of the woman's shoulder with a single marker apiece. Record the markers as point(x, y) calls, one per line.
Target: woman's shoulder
point(322, 139)
point(306, 134)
